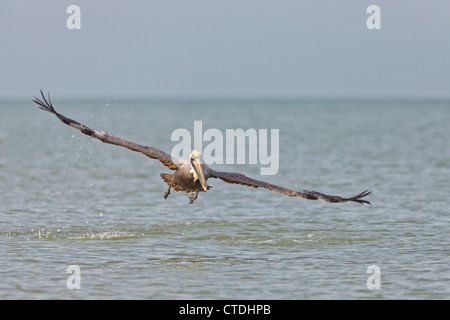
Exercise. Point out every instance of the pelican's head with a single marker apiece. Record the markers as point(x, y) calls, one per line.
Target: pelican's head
point(195, 159)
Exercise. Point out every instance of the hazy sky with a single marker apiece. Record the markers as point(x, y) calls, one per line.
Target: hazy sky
point(227, 48)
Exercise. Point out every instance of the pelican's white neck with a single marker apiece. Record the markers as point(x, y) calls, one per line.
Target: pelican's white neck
point(193, 172)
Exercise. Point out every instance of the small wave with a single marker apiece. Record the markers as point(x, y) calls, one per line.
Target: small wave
point(104, 235)
point(60, 234)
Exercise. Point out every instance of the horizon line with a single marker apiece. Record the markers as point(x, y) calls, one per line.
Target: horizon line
point(229, 98)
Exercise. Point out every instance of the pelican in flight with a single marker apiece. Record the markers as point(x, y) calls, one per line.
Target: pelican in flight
point(191, 175)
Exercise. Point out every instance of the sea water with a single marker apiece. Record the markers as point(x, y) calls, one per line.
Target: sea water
point(67, 199)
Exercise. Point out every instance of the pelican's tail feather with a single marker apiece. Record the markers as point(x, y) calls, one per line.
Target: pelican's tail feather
point(166, 177)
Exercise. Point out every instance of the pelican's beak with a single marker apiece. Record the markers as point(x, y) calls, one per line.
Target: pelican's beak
point(197, 166)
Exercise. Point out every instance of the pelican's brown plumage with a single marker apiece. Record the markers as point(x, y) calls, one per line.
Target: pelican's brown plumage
point(191, 175)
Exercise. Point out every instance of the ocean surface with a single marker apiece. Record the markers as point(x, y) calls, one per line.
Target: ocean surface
point(67, 199)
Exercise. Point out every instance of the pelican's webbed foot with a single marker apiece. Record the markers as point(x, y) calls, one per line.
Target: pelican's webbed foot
point(167, 193)
point(193, 197)
point(168, 190)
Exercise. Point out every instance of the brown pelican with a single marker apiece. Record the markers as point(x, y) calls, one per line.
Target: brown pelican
point(191, 175)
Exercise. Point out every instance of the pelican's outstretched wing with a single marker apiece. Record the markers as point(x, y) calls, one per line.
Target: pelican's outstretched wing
point(106, 137)
point(239, 178)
